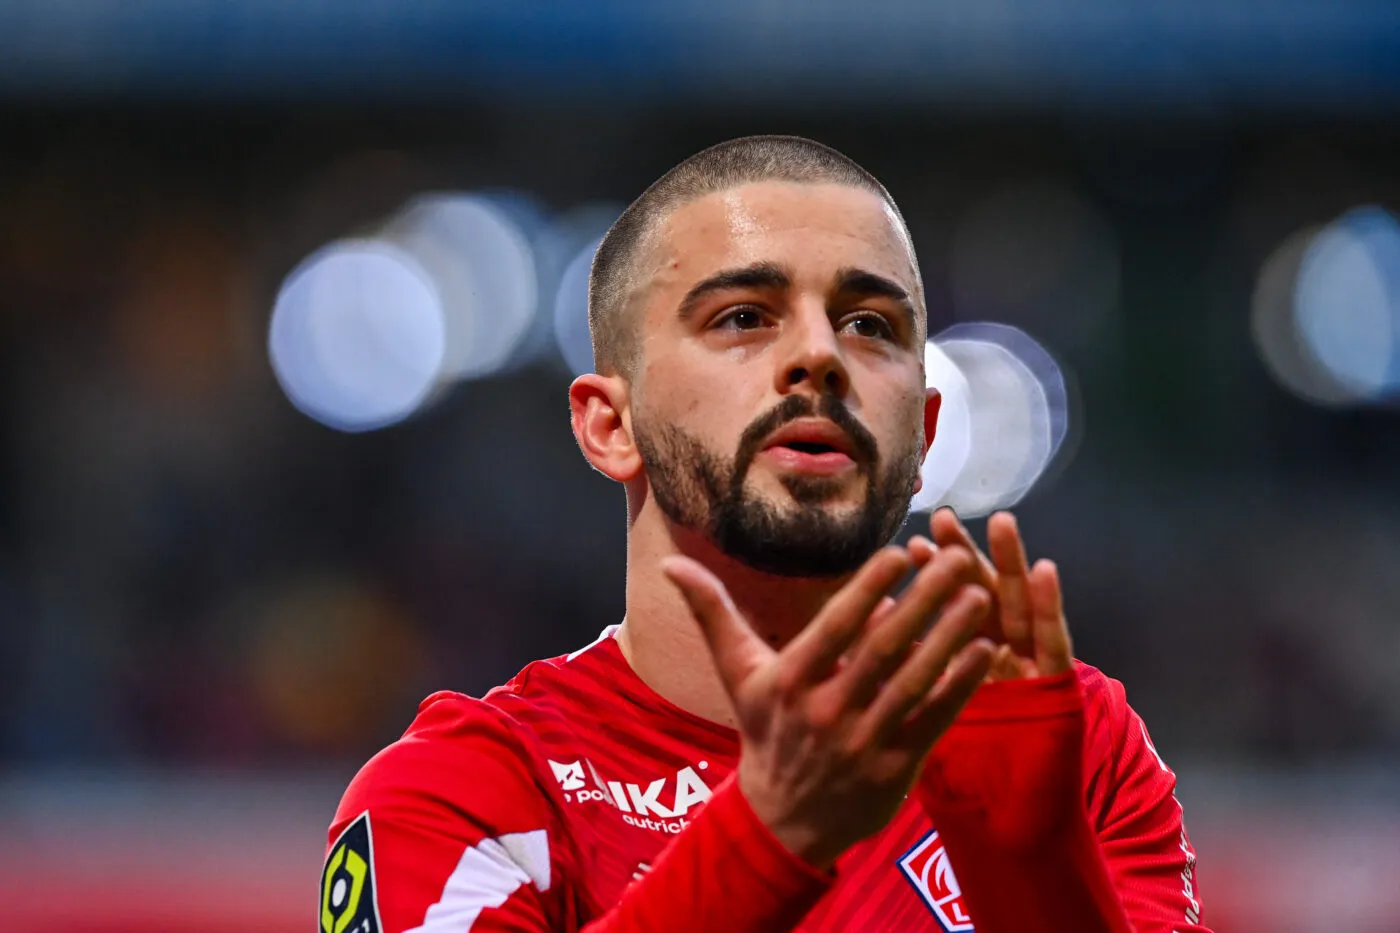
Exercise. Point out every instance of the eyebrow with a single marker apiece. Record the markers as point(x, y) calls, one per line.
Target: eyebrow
point(858, 283)
point(764, 275)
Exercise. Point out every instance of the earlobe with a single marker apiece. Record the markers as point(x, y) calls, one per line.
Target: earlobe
point(596, 407)
point(933, 402)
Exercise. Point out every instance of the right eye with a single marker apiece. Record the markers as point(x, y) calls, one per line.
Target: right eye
point(742, 318)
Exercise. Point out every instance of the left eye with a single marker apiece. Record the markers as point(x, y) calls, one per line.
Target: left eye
point(868, 325)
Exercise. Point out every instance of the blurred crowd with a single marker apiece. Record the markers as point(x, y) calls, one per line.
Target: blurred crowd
point(194, 572)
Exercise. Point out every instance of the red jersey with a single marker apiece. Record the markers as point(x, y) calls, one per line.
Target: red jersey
point(575, 798)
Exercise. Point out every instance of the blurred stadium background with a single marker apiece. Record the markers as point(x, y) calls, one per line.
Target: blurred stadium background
point(290, 295)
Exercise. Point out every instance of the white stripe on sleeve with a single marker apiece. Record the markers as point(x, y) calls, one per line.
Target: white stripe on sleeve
point(487, 874)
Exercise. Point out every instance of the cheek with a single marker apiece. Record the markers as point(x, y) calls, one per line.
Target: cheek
point(902, 421)
point(697, 394)
point(703, 417)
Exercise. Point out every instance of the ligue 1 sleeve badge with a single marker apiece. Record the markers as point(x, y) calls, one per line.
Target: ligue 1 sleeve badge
point(348, 902)
point(928, 870)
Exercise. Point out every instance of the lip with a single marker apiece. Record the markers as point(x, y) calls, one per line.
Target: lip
point(815, 431)
point(838, 457)
point(828, 463)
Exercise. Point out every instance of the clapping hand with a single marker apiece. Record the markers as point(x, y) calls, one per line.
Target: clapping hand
point(1026, 619)
point(834, 727)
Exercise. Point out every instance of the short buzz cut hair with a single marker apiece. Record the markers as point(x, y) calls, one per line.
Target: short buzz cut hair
point(719, 168)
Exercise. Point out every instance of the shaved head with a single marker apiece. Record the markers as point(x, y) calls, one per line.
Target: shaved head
point(617, 278)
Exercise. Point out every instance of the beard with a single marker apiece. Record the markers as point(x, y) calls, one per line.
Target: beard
point(697, 489)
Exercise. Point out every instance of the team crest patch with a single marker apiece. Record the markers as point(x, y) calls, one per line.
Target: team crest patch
point(927, 868)
point(348, 903)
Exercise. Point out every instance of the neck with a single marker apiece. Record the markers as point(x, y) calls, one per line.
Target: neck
point(661, 639)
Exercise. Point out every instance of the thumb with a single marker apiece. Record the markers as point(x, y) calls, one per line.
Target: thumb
point(736, 650)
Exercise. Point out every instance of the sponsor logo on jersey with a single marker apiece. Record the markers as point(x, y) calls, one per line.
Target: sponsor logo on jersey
point(1188, 871)
point(1188, 880)
point(928, 870)
point(578, 787)
point(348, 902)
point(569, 776)
point(660, 805)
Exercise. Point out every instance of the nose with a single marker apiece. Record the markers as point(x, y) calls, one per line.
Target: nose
point(811, 356)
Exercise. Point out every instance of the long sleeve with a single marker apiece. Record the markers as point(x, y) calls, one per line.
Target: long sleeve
point(453, 828)
point(725, 873)
point(1131, 797)
point(1005, 788)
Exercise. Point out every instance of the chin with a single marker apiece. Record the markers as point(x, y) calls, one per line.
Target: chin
point(832, 491)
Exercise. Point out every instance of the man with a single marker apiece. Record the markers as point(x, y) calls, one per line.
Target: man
point(750, 749)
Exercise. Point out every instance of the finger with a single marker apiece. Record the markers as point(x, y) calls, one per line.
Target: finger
point(1009, 557)
point(932, 716)
point(813, 653)
point(948, 530)
point(1054, 653)
point(879, 653)
point(945, 528)
point(736, 649)
point(881, 613)
point(915, 678)
point(877, 618)
point(921, 550)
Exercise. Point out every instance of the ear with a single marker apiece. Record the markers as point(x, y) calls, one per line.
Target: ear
point(596, 407)
point(933, 402)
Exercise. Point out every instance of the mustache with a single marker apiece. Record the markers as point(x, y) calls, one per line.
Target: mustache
point(831, 407)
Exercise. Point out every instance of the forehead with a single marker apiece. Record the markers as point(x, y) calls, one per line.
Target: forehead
point(811, 229)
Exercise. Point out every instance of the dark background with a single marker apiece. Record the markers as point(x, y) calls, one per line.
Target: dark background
point(200, 583)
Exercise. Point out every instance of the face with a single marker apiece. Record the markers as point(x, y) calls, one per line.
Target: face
point(779, 401)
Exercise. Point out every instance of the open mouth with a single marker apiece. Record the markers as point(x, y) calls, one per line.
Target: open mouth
point(812, 447)
point(812, 457)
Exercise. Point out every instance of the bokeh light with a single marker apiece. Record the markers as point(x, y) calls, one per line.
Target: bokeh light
point(1347, 300)
point(567, 246)
point(1325, 312)
point(953, 440)
point(571, 312)
point(483, 268)
point(1047, 370)
point(1010, 437)
point(1006, 413)
point(1276, 333)
point(357, 335)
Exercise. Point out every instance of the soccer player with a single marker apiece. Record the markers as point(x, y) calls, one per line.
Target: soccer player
point(776, 737)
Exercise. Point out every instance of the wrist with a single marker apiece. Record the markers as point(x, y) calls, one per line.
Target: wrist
point(799, 837)
point(806, 844)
